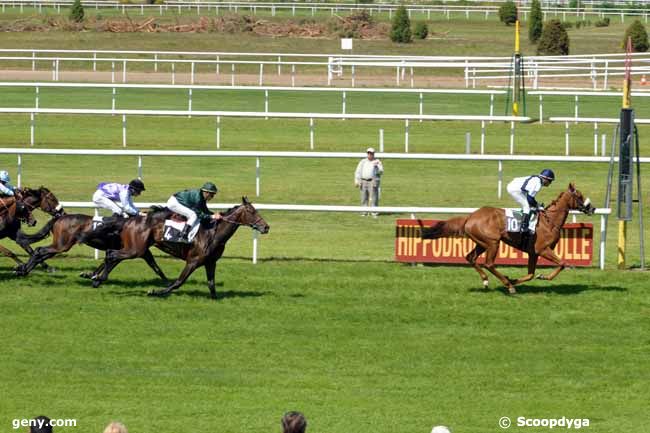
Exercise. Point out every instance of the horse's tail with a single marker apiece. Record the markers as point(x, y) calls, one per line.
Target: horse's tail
point(453, 226)
point(41, 234)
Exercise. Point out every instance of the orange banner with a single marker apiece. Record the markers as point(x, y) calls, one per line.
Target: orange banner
point(575, 246)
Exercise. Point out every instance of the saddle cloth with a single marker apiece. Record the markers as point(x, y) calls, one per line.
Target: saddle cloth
point(513, 221)
point(173, 231)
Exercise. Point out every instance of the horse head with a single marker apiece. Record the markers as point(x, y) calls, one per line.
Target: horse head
point(578, 201)
point(245, 214)
point(24, 213)
point(44, 199)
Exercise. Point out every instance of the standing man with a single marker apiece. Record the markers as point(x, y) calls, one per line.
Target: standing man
point(367, 178)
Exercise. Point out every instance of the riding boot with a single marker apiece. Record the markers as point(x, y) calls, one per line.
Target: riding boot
point(185, 235)
point(525, 222)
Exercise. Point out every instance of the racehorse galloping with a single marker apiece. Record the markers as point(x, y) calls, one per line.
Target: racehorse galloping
point(205, 250)
point(41, 198)
point(72, 229)
point(12, 212)
point(487, 228)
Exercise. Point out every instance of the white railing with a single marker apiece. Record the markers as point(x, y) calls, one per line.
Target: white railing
point(266, 89)
point(595, 121)
point(590, 67)
point(407, 118)
point(258, 155)
point(413, 211)
point(333, 8)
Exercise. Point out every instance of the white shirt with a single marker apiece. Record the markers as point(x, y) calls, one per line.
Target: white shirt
point(367, 169)
point(533, 184)
point(7, 190)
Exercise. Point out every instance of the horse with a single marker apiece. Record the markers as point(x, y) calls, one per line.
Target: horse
point(41, 198)
point(12, 212)
point(487, 228)
point(206, 248)
point(71, 229)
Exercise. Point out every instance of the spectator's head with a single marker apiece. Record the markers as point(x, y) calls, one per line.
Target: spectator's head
point(371, 153)
point(294, 422)
point(41, 424)
point(115, 427)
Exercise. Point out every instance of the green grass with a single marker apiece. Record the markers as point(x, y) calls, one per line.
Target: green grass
point(357, 346)
point(326, 323)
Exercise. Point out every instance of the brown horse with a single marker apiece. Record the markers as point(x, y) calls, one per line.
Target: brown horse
point(72, 229)
point(487, 227)
point(12, 212)
point(205, 250)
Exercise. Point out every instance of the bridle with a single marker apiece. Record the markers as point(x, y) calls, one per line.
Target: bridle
point(231, 221)
point(581, 205)
point(49, 194)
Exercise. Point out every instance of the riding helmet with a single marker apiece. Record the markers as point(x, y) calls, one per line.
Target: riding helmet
point(548, 174)
point(137, 185)
point(209, 187)
point(4, 176)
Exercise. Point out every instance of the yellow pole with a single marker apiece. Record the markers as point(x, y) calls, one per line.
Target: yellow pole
point(622, 232)
point(627, 103)
point(515, 90)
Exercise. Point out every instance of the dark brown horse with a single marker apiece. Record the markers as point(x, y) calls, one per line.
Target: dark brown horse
point(70, 230)
point(487, 227)
point(205, 250)
point(12, 212)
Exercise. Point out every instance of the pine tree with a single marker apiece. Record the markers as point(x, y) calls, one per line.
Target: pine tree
point(508, 12)
point(77, 12)
point(639, 36)
point(535, 25)
point(401, 29)
point(554, 40)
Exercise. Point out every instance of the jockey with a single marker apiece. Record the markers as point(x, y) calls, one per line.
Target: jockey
point(192, 204)
point(524, 189)
point(6, 188)
point(116, 197)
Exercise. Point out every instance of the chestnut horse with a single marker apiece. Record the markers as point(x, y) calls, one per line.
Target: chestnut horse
point(206, 248)
point(487, 228)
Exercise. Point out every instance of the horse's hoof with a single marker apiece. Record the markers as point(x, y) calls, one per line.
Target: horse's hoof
point(51, 270)
point(96, 283)
point(87, 275)
point(485, 284)
point(541, 277)
point(157, 293)
point(512, 291)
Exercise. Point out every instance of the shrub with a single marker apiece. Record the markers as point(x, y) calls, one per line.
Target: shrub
point(602, 23)
point(639, 36)
point(574, 4)
point(401, 28)
point(77, 12)
point(508, 12)
point(535, 24)
point(421, 30)
point(554, 40)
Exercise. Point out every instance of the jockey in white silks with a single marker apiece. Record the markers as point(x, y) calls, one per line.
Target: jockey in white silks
point(117, 197)
point(524, 189)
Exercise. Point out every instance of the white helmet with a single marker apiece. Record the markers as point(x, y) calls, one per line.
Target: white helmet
point(4, 176)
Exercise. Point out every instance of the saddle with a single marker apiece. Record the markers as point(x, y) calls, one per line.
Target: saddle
point(513, 221)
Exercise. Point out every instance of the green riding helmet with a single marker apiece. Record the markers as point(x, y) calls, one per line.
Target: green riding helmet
point(210, 187)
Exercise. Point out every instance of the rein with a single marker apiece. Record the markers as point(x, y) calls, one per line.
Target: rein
point(226, 219)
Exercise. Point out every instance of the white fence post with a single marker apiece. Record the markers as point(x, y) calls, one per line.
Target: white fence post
point(406, 136)
point(31, 129)
point(257, 176)
point(499, 179)
point(139, 167)
point(482, 137)
point(512, 138)
point(124, 130)
point(19, 171)
point(218, 132)
point(381, 139)
point(566, 138)
point(311, 133)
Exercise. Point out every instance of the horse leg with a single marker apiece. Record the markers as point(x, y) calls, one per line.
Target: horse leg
point(187, 271)
point(210, 267)
point(548, 254)
point(490, 257)
point(91, 275)
point(25, 245)
point(112, 259)
point(148, 257)
point(11, 255)
point(472, 257)
point(532, 265)
point(40, 255)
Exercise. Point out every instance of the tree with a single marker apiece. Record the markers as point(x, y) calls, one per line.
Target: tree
point(421, 30)
point(639, 36)
point(535, 25)
point(554, 40)
point(77, 12)
point(401, 28)
point(508, 12)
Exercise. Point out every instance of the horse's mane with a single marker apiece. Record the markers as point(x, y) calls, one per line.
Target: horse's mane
point(155, 209)
point(231, 210)
point(554, 202)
